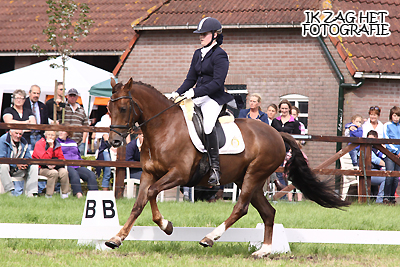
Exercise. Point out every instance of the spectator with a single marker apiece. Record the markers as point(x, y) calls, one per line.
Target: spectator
point(17, 113)
point(354, 129)
point(13, 145)
point(50, 148)
point(391, 130)
point(105, 150)
point(71, 152)
point(254, 112)
point(133, 154)
point(39, 110)
point(272, 110)
point(295, 114)
point(59, 101)
point(285, 123)
point(373, 122)
point(377, 164)
point(75, 115)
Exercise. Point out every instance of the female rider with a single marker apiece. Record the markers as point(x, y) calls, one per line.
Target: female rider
point(207, 73)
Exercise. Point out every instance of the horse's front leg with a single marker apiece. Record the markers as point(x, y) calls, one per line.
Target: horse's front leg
point(140, 203)
point(166, 182)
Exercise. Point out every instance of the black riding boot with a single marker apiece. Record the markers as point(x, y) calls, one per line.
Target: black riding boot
point(213, 152)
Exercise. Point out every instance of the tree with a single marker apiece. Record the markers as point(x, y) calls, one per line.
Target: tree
point(67, 22)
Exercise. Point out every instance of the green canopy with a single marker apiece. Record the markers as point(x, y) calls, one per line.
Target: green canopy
point(102, 89)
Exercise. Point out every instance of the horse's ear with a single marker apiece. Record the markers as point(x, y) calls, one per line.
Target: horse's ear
point(113, 83)
point(128, 85)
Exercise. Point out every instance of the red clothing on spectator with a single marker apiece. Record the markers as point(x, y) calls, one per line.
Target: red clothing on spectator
point(44, 151)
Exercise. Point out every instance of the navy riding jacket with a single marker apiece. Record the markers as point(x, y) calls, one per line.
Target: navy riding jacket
point(208, 75)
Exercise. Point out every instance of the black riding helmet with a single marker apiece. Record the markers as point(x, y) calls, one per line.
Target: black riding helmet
point(212, 25)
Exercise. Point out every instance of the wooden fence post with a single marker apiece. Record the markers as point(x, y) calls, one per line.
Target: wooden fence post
point(120, 174)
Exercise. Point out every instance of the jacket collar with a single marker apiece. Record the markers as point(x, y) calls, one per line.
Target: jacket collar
point(8, 140)
point(290, 120)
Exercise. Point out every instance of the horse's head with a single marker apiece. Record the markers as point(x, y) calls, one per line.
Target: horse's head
point(124, 112)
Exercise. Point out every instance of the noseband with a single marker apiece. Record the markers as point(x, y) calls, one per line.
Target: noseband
point(127, 125)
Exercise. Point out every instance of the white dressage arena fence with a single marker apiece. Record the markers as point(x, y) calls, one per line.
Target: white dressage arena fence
point(100, 222)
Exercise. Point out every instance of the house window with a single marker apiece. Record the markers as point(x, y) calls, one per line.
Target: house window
point(301, 102)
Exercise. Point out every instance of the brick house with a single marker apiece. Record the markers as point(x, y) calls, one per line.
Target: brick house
point(269, 56)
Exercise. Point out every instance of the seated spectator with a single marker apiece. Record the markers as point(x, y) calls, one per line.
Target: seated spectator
point(50, 148)
point(71, 152)
point(354, 129)
point(254, 112)
point(18, 113)
point(377, 164)
point(133, 154)
point(13, 145)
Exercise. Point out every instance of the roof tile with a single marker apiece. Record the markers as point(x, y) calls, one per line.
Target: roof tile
point(22, 23)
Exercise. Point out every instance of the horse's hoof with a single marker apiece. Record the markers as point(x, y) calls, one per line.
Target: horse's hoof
point(169, 228)
point(114, 242)
point(206, 242)
point(259, 255)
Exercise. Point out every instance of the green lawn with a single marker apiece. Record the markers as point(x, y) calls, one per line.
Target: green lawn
point(26, 252)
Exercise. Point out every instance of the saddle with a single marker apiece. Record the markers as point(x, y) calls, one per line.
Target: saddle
point(198, 125)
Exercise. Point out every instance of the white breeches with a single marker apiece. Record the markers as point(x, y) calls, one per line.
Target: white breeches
point(210, 109)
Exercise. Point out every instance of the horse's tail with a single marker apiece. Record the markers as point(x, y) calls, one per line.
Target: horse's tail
point(306, 181)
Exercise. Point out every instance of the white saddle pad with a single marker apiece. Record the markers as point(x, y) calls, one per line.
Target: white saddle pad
point(234, 140)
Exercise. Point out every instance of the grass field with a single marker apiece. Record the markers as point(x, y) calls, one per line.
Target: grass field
point(26, 252)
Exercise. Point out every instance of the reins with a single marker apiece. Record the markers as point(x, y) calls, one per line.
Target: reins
point(134, 128)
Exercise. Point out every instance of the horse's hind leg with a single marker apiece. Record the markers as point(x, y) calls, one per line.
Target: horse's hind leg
point(137, 209)
point(267, 213)
point(239, 210)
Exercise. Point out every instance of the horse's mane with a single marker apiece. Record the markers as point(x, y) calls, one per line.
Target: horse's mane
point(155, 94)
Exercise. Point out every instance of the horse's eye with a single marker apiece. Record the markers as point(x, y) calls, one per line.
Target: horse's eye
point(123, 109)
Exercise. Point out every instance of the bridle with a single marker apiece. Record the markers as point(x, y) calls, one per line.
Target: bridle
point(133, 128)
point(127, 125)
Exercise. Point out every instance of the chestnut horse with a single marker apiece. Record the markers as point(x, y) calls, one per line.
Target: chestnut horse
point(169, 159)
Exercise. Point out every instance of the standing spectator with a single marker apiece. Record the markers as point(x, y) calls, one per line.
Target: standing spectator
point(50, 148)
point(295, 114)
point(254, 112)
point(133, 154)
point(354, 129)
point(71, 152)
point(75, 115)
point(13, 145)
point(377, 164)
point(105, 150)
point(39, 110)
point(285, 123)
point(59, 100)
point(373, 122)
point(272, 110)
point(391, 130)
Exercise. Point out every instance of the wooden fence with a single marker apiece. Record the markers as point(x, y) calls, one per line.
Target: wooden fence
point(364, 171)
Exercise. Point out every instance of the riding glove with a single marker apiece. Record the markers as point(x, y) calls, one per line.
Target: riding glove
point(189, 94)
point(174, 95)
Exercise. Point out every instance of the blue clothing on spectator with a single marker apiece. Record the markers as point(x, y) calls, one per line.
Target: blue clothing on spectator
point(245, 113)
point(133, 154)
point(391, 130)
point(358, 132)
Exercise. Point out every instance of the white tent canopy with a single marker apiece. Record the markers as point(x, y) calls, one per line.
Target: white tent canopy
point(79, 75)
